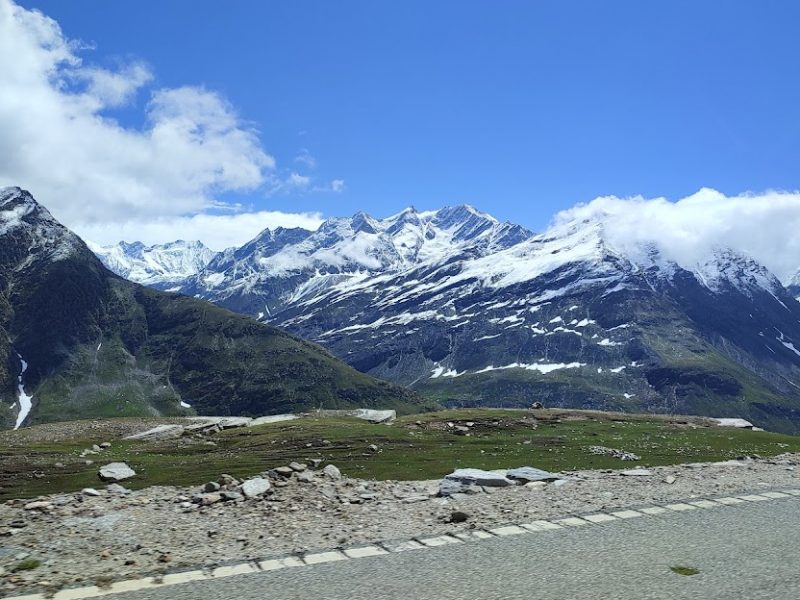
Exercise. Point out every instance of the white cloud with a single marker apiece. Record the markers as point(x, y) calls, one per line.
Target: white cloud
point(60, 140)
point(763, 225)
point(215, 231)
point(304, 158)
point(337, 186)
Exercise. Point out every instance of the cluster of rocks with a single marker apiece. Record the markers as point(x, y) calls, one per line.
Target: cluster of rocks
point(95, 449)
point(470, 481)
point(614, 452)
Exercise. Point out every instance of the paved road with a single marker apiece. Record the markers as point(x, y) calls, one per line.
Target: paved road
point(747, 551)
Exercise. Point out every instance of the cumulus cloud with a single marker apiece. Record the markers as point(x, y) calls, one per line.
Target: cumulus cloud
point(763, 225)
point(215, 231)
point(60, 140)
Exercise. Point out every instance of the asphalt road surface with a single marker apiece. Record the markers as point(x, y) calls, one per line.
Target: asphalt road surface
point(747, 551)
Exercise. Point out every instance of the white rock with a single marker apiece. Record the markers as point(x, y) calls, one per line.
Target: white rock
point(91, 492)
point(636, 473)
point(480, 477)
point(116, 472)
point(254, 487)
point(332, 471)
point(740, 423)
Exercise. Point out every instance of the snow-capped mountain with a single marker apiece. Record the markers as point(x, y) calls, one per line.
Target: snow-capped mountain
point(469, 310)
point(79, 342)
point(162, 266)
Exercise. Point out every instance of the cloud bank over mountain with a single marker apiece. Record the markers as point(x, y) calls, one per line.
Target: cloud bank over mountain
point(762, 225)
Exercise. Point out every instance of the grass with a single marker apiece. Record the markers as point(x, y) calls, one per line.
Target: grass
point(687, 571)
point(27, 565)
point(414, 447)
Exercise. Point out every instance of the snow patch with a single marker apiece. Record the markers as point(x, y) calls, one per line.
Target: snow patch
point(25, 401)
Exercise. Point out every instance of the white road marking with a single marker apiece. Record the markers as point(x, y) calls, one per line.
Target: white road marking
point(704, 504)
point(753, 498)
point(680, 507)
point(627, 514)
point(572, 522)
point(365, 551)
point(280, 563)
point(442, 540)
point(323, 557)
point(508, 530)
point(653, 510)
point(541, 526)
point(600, 518)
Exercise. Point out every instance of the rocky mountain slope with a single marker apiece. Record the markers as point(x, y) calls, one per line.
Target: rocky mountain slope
point(471, 311)
point(82, 342)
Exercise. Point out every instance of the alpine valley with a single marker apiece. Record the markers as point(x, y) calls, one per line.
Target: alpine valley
point(469, 311)
point(78, 341)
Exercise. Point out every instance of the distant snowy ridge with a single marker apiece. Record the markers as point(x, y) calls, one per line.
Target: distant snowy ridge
point(161, 265)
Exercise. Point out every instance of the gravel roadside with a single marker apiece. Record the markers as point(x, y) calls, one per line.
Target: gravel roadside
point(88, 538)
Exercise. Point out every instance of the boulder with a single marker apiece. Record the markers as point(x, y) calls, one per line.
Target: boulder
point(305, 477)
point(284, 471)
point(528, 474)
point(375, 416)
point(254, 487)
point(298, 467)
point(332, 472)
point(38, 505)
point(480, 477)
point(116, 472)
point(448, 487)
point(90, 492)
point(211, 486)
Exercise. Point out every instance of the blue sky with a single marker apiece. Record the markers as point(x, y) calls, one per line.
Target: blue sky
point(520, 108)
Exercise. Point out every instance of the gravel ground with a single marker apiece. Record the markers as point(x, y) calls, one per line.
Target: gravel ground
point(97, 539)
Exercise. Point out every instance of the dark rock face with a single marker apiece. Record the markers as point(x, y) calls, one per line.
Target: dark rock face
point(97, 345)
point(470, 311)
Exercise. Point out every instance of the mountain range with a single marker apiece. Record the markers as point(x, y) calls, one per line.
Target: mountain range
point(471, 311)
point(78, 341)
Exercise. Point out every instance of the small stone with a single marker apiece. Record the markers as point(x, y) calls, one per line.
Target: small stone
point(105, 554)
point(670, 479)
point(232, 496)
point(284, 471)
point(536, 485)
point(458, 516)
point(88, 463)
point(332, 472)
point(211, 486)
point(165, 558)
point(226, 479)
point(59, 465)
point(105, 445)
point(95, 448)
point(305, 477)
point(297, 467)
point(39, 505)
point(91, 492)
point(209, 499)
point(372, 448)
point(254, 487)
point(116, 488)
point(315, 463)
